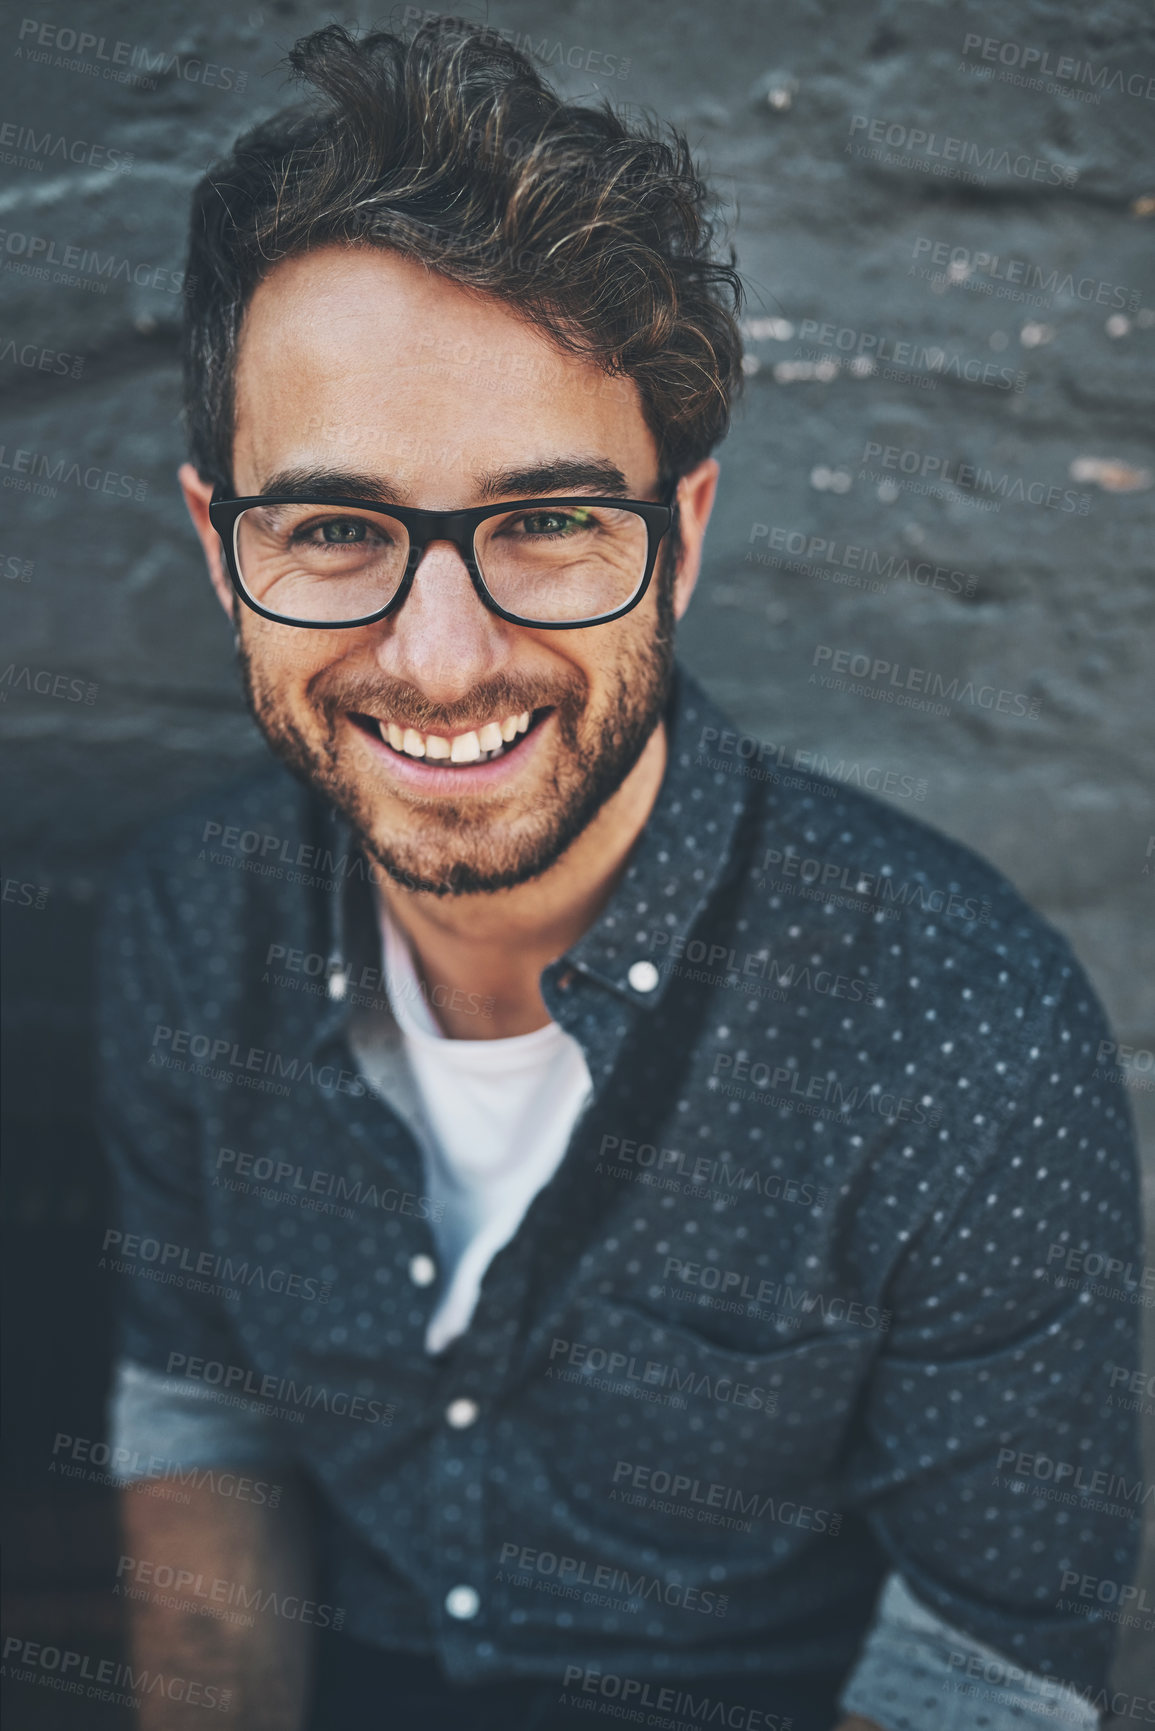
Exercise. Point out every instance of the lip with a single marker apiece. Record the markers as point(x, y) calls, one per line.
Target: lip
point(419, 775)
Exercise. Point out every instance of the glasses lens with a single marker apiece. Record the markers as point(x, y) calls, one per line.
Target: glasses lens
point(561, 563)
point(320, 562)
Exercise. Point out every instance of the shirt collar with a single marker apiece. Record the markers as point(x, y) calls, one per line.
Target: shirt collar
point(674, 871)
point(677, 862)
point(345, 911)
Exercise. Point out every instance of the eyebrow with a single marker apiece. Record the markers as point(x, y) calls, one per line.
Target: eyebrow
point(573, 474)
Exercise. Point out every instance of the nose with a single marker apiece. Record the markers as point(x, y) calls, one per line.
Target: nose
point(444, 640)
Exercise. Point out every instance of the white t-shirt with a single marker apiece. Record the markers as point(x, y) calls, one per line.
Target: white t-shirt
point(500, 1114)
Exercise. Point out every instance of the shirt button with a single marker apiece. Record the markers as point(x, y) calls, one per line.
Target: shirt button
point(461, 1413)
point(422, 1270)
point(462, 1603)
point(643, 976)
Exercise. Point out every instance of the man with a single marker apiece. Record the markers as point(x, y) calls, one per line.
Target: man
point(568, 1269)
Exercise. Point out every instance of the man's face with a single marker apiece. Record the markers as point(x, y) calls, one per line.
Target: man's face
point(365, 363)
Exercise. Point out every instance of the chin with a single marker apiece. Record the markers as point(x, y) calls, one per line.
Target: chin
point(462, 855)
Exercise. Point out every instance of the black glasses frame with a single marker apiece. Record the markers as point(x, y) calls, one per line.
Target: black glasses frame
point(457, 527)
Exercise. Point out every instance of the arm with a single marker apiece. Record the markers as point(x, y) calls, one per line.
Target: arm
point(196, 1548)
point(209, 1493)
point(992, 1365)
point(257, 1662)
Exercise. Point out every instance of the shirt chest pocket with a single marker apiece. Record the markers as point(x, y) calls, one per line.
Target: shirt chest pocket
point(631, 1382)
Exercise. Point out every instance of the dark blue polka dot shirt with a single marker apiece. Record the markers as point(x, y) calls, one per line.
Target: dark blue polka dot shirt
point(838, 1281)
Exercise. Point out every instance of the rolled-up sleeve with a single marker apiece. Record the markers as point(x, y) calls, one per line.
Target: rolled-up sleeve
point(995, 1467)
point(159, 1425)
point(152, 1133)
point(916, 1670)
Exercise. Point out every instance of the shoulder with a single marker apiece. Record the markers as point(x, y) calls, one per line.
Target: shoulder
point(854, 857)
point(828, 864)
point(205, 865)
point(249, 813)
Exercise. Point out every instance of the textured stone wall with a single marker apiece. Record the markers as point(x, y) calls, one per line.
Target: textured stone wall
point(941, 480)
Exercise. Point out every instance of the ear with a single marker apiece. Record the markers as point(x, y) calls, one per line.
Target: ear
point(696, 492)
point(197, 494)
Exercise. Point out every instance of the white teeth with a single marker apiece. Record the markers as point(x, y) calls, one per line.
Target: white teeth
point(466, 748)
point(480, 745)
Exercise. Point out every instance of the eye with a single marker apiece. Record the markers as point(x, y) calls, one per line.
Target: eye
point(554, 522)
point(342, 531)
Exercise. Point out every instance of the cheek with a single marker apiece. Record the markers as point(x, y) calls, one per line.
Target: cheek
point(636, 634)
point(284, 660)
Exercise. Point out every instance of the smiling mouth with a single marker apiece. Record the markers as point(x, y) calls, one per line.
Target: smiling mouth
point(455, 750)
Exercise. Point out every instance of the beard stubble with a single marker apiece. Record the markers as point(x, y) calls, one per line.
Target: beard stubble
point(472, 847)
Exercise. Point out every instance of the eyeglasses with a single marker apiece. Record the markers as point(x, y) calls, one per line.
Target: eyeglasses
point(555, 564)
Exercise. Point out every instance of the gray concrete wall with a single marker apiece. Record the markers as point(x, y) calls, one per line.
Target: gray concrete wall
point(951, 339)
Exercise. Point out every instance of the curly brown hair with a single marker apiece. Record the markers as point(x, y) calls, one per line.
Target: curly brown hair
point(450, 148)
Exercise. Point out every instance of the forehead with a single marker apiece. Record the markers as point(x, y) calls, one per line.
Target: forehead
point(358, 358)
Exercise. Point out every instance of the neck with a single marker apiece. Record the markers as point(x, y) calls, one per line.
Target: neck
point(492, 948)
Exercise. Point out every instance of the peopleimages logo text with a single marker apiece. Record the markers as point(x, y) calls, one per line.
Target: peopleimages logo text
point(924, 679)
point(745, 1290)
point(47, 44)
point(236, 1380)
point(215, 1591)
point(809, 550)
point(881, 888)
point(526, 1560)
point(129, 1248)
point(873, 347)
point(223, 1055)
point(972, 480)
point(43, 471)
point(705, 1495)
point(1040, 63)
point(114, 1681)
point(590, 1359)
point(959, 263)
point(42, 250)
point(945, 150)
point(24, 147)
point(789, 1087)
